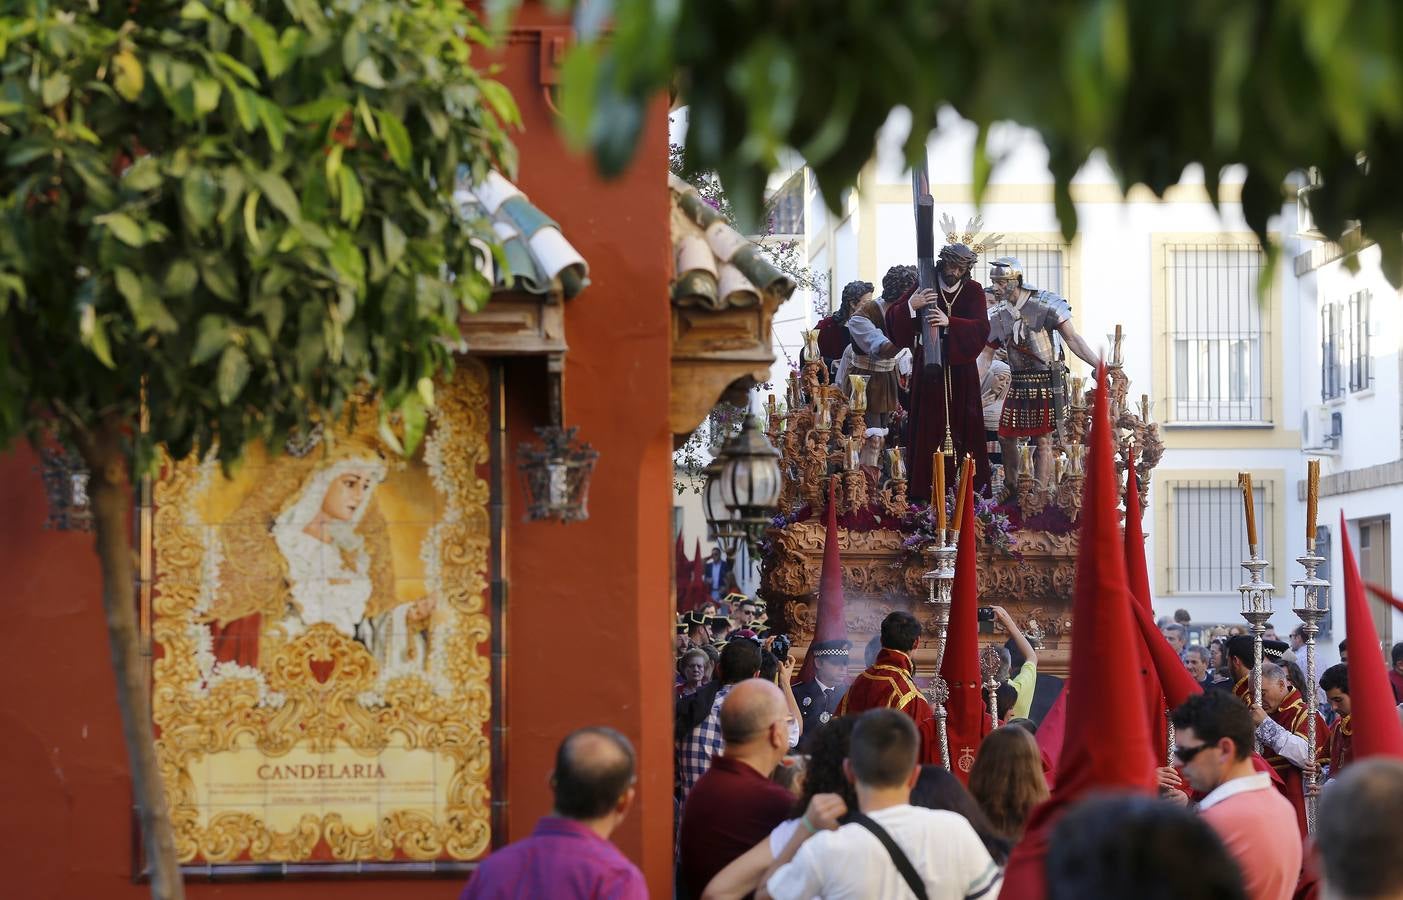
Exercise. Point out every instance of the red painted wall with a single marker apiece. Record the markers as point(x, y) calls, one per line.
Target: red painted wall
point(588, 616)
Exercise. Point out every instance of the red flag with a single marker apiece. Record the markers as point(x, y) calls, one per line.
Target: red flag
point(1051, 732)
point(1107, 745)
point(1138, 573)
point(830, 622)
point(967, 721)
point(1172, 680)
point(1372, 710)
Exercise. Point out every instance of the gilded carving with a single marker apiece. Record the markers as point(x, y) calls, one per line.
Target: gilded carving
point(330, 656)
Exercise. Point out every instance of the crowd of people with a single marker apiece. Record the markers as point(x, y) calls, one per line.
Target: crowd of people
point(857, 815)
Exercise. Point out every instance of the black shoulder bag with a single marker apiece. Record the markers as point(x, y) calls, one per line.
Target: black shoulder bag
point(898, 856)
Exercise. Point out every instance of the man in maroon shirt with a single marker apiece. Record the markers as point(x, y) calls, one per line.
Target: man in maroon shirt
point(1395, 672)
point(569, 854)
point(735, 804)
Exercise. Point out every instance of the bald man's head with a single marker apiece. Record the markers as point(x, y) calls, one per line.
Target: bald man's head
point(594, 768)
point(749, 710)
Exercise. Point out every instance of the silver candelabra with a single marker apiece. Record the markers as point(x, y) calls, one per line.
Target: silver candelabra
point(1311, 603)
point(939, 584)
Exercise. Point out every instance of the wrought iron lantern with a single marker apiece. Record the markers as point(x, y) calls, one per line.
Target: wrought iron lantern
point(557, 475)
point(66, 485)
point(742, 488)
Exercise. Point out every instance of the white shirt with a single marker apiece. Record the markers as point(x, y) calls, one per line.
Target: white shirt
point(865, 334)
point(1258, 781)
point(851, 864)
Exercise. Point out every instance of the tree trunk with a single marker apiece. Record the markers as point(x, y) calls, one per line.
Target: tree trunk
point(110, 496)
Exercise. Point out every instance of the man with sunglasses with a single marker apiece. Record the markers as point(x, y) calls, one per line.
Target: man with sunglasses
point(1214, 737)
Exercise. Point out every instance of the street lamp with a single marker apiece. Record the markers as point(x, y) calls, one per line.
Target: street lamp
point(742, 488)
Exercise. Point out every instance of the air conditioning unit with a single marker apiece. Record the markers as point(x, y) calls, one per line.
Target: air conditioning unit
point(1322, 430)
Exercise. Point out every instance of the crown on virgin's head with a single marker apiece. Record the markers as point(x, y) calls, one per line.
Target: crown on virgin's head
point(357, 435)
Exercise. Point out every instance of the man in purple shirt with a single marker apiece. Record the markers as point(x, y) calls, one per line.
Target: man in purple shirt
point(569, 856)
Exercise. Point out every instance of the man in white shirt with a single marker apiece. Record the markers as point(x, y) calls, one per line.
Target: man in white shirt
point(835, 862)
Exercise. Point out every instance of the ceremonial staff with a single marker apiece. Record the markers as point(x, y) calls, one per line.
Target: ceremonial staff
point(1256, 591)
point(1311, 597)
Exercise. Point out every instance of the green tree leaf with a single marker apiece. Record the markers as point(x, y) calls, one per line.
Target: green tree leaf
point(124, 228)
point(211, 337)
point(396, 138)
point(232, 375)
point(128, 75)
point(198, 193)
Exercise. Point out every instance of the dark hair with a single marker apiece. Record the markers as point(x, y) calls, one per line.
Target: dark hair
point(1343, 648)
point(1182, 616)
point(740, 659)
point(1027, 725)
point(1116, 846)
point(1297, 678)
point(1397, 653)
point(852, 292)
point(769, 666)
point(1361, 845)
point(900, 631)
point(936, 788)
point(827, 750)
point(1336, 677)
point(1007, 779)
point(1007, 696)
point(587, 782)
point(1012, 656)
point(883, 748)
point(1216, 715)
point(898, 282)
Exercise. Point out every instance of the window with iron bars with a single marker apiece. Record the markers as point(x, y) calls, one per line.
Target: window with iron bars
point(1332, 382)
point(1045, 265)
point(1208, 539)
point(1218, 342)
point(1361, 363)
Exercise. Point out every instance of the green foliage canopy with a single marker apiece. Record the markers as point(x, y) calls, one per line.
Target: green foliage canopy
point(243, 206)
point(1273, 86)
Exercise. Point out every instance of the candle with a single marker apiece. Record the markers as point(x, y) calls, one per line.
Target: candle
point(1244, 480)
point(1078, 389)
point(823, 416)
point(1115, 351)
point(898, 464)
point(1312, 498)
point(966, 472)
point(937, 493)
point(859, 392)
point(811, 351)
point(1145, 408)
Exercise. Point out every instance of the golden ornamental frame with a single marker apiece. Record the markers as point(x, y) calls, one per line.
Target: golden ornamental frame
point(316, 714)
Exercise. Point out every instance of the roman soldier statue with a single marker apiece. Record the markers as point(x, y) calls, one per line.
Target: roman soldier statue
point(1024, 323)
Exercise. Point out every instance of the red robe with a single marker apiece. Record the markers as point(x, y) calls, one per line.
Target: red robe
point(1341, 745)
point(925, 431)
point(833, 338)
point(1294, 716)
point(888, 684)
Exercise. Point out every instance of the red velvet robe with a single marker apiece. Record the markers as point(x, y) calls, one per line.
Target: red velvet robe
point(925, 431)
point(1341, 745)
point(1294, 716)
point(888, 684)
point(833, 338)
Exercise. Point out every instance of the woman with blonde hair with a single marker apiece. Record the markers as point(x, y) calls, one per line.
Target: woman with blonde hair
point(1007, 779)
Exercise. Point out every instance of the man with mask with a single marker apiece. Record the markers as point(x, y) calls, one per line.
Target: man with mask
point(1023, 323)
